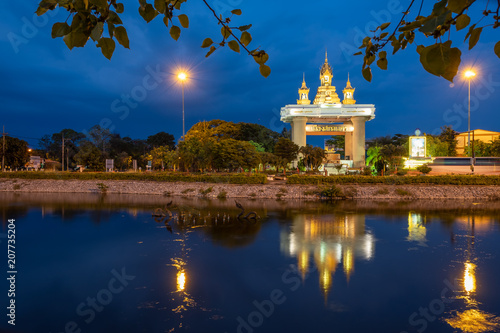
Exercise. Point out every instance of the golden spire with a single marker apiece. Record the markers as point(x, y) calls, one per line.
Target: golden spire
point(326, 55)
point(303, 92)
point(348, 93)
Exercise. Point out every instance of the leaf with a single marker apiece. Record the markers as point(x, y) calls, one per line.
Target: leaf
point(86, 2)
point(121, 36)
point(462, 21)
point(474, 37)
point(233, 45)
point(114, 18)
point(384, 26)
point(245, 38)
point(184, 20)
point(431, 25)
point(207, 42)
point(244, 27)
point(420, 48)
point(265, 70)
point(383, 35)
point(261, 58)
point(107, 46)
point(60, 29)
point(98, 3)
point(382, 54)
point(382, 64)
point(111, 28)
point(457, 6)
point(212, 50)
point(45, 5)
point(161, 6)
point(441, 60)
point(148, 13)
point(175, 32)
point(358, 53)
point(497, 49)
point(439, 7)
point(119, 8)
point(367, 74)
point(471, 28)
point(226, 32)
point(75, 38)
point(453, 64)
point(236, 11)
point(97, 31)
point(411, 26)
point(165, 20)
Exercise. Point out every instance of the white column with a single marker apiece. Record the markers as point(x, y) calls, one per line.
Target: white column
point(299, 131)
point(358, 141)
point(348, 142)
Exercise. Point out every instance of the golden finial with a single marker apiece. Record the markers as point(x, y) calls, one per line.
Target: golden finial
point(326, 55)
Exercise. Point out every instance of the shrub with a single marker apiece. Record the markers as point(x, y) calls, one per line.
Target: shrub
point(402, 192)
point(367, 171)
point(382, 191)
point(187, 190)
point(333, 192)
point(17, 187)
point(102, 187)
point(222, 195)
point(225, 178)
point(401, 172)
point(283, 190)
point(205, 192)
point(425, 169)
point(395, 180)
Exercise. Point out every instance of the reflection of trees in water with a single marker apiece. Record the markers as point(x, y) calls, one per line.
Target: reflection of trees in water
point(222, 226)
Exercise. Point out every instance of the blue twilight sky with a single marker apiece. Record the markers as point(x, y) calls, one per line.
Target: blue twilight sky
point(45, 87)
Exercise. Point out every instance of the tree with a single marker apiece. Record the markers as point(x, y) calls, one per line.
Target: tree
point(436, 147)
point(16, 152)
point(259, 134)
point(123, 161)
point(448, 135)
point(312, 157)
point(375, 159)
point(100, 137)
point(338, 141)
point(392, 154)
point(90, 156)
point(161, 139)
point(286, 151)
point(438, 58)
point(88, 18)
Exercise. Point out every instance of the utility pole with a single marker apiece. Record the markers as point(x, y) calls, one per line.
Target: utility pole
point(3, 151)
point(62, 159)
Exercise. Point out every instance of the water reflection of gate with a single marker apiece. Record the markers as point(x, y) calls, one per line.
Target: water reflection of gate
point(332, 240)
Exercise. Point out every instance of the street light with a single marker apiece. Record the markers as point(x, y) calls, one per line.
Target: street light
point(182, 76)
point(469, 74)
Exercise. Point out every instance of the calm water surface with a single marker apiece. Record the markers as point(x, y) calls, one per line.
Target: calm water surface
point(103, 264)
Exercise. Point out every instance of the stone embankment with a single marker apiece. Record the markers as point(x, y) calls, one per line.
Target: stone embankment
point(273, 190)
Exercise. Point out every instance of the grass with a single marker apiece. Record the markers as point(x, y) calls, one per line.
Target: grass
point(283, 190)
point(222, 195)
point(402, 192)
point(206, 191)
point(102, 187)
point(187, 190)
point(253, 194)
point(382, 191)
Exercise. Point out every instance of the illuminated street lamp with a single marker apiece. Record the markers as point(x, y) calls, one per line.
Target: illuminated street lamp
point(182, 76)
point(469, 75)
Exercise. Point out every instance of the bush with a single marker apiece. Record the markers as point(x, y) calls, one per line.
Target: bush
point(222, 195)
point(402, 192)
point(225, 178)
point(333, 192)
point(425, 169)
point(401, 172)
point(205, 192)
point(367, 171)
point(395, 180)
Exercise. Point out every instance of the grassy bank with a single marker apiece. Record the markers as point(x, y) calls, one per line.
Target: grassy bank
point(237, 178)
point(396, 180)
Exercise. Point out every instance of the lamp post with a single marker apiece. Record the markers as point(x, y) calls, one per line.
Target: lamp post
point(469, 75)
point(182, 76)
